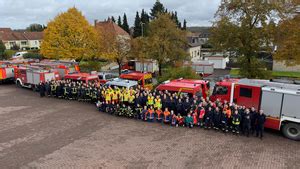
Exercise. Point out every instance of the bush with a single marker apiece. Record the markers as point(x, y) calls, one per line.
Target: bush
point(254, 69)
point(178, 72)
point(88, 66)
point(7, 54)
point(33, 56)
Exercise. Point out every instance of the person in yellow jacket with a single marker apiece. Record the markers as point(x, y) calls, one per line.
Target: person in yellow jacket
point(115, 97)
point(107, 96)
point(157, 103)
point(150, 100)
point(126, 97)
point(131, 100)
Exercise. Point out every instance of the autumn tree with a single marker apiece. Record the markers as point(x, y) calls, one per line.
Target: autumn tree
point(246, 27)
point(288, 41)
point(115, 48)
point(166, 43)
point(70, 36)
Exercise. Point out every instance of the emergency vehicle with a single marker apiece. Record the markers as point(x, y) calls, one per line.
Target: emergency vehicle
point(63, 67)
point(6, 73)
point(121, 83)
point(205, 85)
point(150, 66)
point(105, 77)
point(82, 77)
point(278, 101)
point(184, 86)
point(143, 79)
point(30, 77)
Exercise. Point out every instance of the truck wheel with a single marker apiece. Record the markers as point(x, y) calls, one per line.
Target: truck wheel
point(18, 84)
point(292, 131)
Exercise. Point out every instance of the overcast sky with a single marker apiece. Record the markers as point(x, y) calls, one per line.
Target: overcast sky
point(18, 14)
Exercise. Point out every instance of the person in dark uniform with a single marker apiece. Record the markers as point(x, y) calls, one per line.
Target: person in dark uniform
point(246, 122)
point(253, 115)
point(217, 118)
point(48, 89)
point(260, 122)
point(42, 89)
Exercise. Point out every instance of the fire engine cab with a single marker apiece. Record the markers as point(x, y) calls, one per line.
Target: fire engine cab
point(186, 86)
point(30, 76)
point(278, 101)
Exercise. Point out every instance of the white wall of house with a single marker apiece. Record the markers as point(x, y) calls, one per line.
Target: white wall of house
point(219, 62)
point(32, 44)
point(195, 53)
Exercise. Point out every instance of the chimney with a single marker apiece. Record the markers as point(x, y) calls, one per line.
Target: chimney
point(95, 22)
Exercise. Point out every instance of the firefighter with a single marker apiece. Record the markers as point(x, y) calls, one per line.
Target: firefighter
point(150, 114)
point(48, 89)
point(42, 89)
point(224, 121)
point(180, 120)
point(150, 100)
point(201, 116)
point(66, 93)
point(253, 115)
point(158, 114)
point(260, 122)
point(126, 97)
point(131, 100)
point(144, 113)
point(157, 103)
point(53, 89)
point(173, 119)
point(74, 92)
point(216, 118)
point(107, 96)
point(208, 118)
point(115, 96)
point(138, 111)
point(247, 122)
point(236, 121)
point(166, 116)
point(59, 90)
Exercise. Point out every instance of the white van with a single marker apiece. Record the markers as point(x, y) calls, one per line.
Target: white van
point(19, 55)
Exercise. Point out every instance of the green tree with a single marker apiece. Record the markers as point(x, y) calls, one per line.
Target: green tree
point(184, 25)
point(137, 26)
point(246, 28)
point(113, 19)
point(145, 19)
point(120, 22)
point(166, 43)
point(2, 49)
point(157, 9)
point(125, 25)
point(70, 36)
point(35, 28)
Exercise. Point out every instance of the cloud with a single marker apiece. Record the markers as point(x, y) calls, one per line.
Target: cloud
point(19, 14)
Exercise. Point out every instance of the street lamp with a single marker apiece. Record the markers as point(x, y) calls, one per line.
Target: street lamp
point(142, 24)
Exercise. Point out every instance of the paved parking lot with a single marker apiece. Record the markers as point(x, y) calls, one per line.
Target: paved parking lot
point(51, 133)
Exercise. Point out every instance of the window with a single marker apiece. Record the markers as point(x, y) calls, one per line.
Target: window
point(245, 92)
point(36, 42)
point(23, 43)
point(101, 77)
point(148, 81)
point(220, 90)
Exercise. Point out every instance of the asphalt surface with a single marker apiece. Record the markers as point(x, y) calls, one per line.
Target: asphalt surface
point(52, 133)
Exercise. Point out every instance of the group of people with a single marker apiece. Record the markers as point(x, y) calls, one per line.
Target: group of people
point(171, 108)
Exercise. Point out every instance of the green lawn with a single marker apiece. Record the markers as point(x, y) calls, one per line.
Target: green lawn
point(235, 72)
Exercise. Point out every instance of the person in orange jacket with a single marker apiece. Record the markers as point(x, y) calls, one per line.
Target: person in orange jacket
point(159, 114)
point(166, 116)
point(180, 120)
point(201, 116)
point(150, 114)
point(195, 118)
point(173, 119)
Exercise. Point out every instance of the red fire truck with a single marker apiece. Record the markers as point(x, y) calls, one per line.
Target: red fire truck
point(6, 73)
point(30, 76)
point(83, 77)
point(278, 100)
point(63, 67)
point(185, 86)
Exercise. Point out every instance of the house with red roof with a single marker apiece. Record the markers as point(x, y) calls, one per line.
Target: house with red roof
point(24, 40)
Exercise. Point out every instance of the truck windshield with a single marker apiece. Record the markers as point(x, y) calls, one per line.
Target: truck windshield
point(220, 90)
point(148, 81)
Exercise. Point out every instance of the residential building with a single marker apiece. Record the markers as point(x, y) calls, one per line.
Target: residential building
point(194, 47)
point(24, 40)
point(109, 27)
